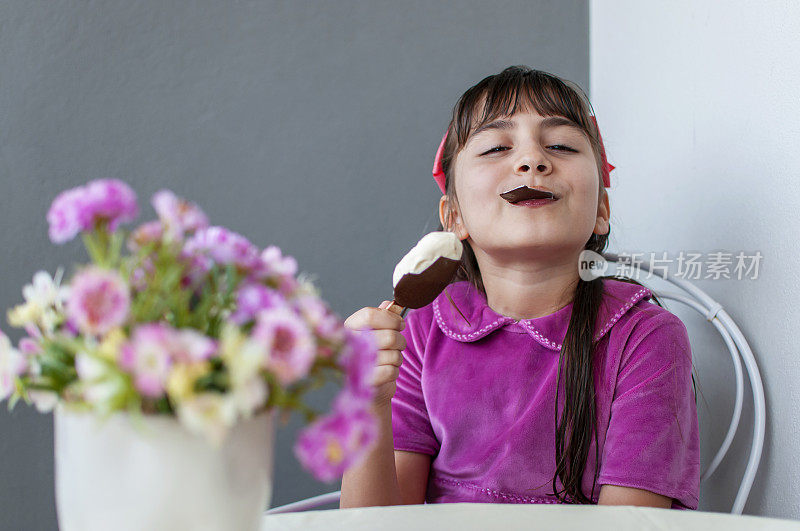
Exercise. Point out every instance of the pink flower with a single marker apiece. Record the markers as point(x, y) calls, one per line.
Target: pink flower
point(188, 346)
point(346, 401)
point(331, 328)
point(147, 357)
point(80, 209)
point(179, 216)
point(197, 267)
point(98, 301)
point(333, 443)
point(271, 264)
point(275, 263)
point(145, 234)
point(319, 317)
point(111, 200)
point(29, 346)
point(33, 331)
point(311, 307)
point(65, 215)
point(69, 328)
point(288, 286)
point(358, 359)
point(290, 346)
point(252, 298)
point(223, 247)
point(153, 350)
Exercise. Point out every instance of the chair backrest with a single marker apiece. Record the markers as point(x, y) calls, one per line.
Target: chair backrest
point(308, 503)
point(740, 351)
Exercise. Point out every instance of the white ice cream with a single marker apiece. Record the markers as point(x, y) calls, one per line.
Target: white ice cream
point(432, 246)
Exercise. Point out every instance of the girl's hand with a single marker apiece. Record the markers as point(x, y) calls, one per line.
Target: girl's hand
point(385, 326)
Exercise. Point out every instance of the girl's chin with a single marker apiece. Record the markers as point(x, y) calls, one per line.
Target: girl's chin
point(524, 245)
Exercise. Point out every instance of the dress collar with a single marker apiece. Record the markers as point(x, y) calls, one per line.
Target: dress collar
point(549, 330)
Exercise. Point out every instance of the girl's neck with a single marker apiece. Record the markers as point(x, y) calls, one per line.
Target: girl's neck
point(532, 292)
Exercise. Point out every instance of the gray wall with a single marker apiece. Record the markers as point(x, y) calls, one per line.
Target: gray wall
point(311, 126)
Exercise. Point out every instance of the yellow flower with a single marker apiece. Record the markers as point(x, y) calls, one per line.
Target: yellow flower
point(24, 314)
point(180, 382)
point(110, 346)
point(230, 341)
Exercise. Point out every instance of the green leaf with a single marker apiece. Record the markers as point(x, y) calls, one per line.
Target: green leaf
point(92, 248)
point(162, 405)
point(116, 245)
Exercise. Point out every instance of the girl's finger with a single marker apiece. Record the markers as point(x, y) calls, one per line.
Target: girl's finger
point(384, 374)
point(374, 319)
point(390, 357)
point(389, 339)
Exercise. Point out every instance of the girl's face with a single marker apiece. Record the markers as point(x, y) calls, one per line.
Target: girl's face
point(546, 153)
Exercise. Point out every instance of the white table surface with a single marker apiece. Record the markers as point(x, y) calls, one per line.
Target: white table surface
point(508, 517)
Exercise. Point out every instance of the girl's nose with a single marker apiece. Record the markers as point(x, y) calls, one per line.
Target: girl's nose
point(533, 157)
point(542, 165)
point(539, 167)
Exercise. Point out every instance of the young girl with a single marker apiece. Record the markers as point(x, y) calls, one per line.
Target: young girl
point(522, 382)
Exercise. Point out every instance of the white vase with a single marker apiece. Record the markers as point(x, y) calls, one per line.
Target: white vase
point(114, 475)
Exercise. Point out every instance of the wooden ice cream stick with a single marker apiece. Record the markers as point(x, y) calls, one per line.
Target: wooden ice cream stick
point(396, 308)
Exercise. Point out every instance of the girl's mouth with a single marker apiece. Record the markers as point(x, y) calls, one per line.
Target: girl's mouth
point(535, 202)
point(526, 196)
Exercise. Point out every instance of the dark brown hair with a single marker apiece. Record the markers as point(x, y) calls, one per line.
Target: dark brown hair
point(502, 95)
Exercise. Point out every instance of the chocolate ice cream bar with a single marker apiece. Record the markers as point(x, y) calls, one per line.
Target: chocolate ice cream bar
point(425, 270)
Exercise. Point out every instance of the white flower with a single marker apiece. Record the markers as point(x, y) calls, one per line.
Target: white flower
point(306, 285)
point(44, 291)
point(12, 364)
point(44, 302)
point(49, 319)
point(247, 362)
point(89, 368)
point(44, 401)
point(250, 395)
point(242, 355)
point(35, 368)
point(209, 414)
point(100, 386)
point(101, 394)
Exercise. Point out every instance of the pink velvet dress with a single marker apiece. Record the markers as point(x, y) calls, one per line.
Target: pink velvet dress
point(479, 397)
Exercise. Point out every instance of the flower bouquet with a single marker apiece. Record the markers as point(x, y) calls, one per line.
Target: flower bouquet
point(166, 365)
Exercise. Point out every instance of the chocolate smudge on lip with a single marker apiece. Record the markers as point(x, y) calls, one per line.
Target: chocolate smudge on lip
point(523, 193)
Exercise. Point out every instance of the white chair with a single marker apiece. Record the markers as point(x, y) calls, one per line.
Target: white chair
point(697, 299)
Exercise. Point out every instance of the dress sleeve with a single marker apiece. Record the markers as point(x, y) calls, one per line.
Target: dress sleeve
point(411, 425)
point(652, 441)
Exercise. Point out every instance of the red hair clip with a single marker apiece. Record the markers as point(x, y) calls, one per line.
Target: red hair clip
point(438, 172)
point(607, 167)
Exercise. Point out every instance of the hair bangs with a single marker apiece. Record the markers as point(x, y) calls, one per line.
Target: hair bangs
point(517, 89)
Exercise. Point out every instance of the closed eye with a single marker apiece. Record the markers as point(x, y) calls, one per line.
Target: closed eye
point(496, 149)
point(557, 147)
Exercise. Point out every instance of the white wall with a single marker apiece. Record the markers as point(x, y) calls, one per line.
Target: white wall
point(699, 109)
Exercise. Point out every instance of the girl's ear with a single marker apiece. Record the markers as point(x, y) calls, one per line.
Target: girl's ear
point(451, 220)
point(601, 225)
